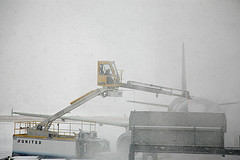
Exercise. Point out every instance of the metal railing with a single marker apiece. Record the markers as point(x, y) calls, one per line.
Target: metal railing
point(58, 128)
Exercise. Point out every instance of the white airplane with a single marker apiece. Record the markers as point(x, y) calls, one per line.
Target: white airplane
point(195, 104)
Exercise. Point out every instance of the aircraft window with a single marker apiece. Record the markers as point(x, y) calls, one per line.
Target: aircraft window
point(105, 69)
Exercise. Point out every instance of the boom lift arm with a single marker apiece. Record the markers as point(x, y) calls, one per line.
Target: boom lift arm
point(76, 103)
point(110, 80)
point(155, 89)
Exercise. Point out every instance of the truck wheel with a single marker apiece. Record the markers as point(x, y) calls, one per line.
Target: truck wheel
point(149, 156)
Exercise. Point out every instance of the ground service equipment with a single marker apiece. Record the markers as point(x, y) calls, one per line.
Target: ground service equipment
point(110, 79)
point(46, 139)
point(61, 140)
point(178, 132)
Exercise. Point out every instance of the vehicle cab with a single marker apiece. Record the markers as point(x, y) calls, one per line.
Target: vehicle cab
point(108, 75)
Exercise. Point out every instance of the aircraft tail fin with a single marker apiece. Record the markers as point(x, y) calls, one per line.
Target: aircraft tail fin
point(184, 80)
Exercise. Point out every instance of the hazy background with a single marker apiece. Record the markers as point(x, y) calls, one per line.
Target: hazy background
point(49, 52)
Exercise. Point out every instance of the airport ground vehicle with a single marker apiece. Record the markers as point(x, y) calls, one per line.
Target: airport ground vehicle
point(43, 133)
point(62, 140)
point(178, 132)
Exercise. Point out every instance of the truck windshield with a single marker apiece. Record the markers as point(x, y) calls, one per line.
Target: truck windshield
point(105, 69)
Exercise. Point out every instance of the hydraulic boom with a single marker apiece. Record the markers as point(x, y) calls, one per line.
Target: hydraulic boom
point(110, 79)
point(155, 89)
point(76, 103)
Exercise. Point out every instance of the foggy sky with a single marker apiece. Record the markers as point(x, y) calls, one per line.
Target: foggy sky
point(49, 51)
